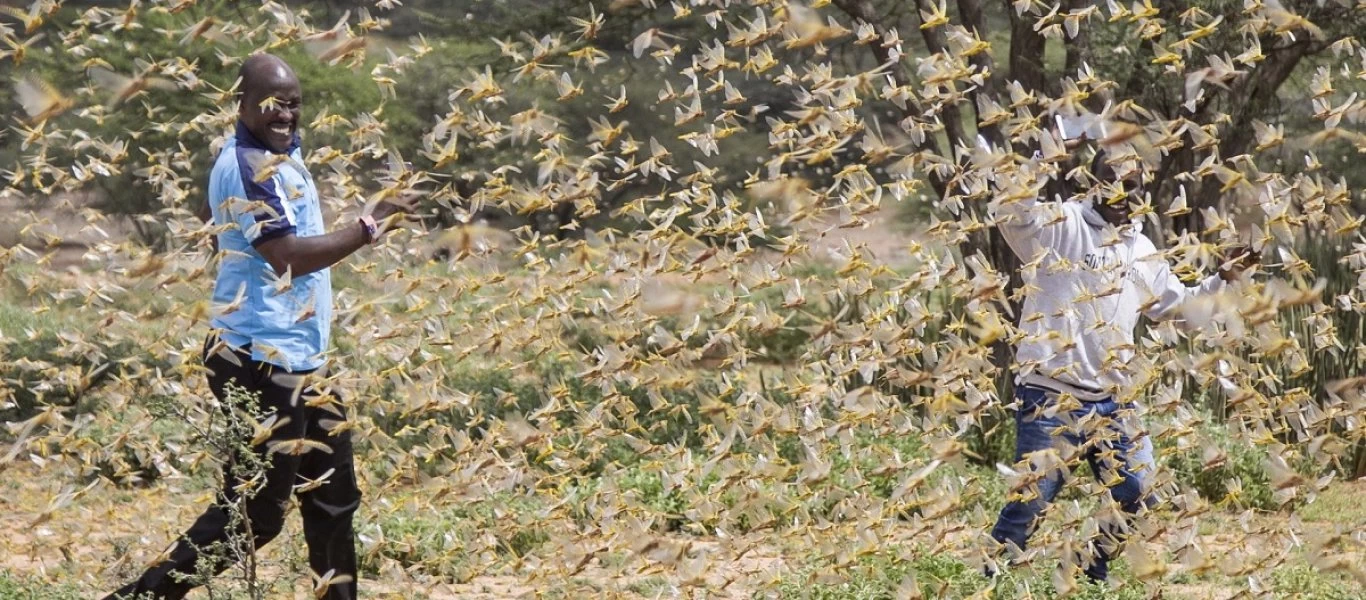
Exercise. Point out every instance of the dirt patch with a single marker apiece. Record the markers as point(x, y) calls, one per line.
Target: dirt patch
point(887, 241)
point(59, 229)
point(1198, 591)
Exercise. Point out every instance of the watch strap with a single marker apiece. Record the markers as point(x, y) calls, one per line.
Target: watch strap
point(371, 229)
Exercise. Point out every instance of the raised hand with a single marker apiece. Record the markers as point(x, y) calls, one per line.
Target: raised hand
point(1238, 260)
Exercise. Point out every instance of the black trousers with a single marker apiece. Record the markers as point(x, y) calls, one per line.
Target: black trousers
point(292, 468)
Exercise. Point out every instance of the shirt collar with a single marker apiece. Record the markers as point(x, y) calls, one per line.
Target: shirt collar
point(246, 139)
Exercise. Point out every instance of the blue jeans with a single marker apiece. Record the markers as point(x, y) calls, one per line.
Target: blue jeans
point(1106, 447)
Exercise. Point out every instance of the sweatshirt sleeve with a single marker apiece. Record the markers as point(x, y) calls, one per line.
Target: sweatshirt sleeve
point(1171, 293)
point(1030, 226)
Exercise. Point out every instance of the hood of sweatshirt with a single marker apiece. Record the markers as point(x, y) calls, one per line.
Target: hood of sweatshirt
point(1093, 218)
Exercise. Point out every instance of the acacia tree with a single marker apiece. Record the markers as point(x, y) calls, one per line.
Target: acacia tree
point(1151, 56)
point(1201, 82)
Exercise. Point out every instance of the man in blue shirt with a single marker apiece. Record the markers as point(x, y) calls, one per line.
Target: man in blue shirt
point(273, 305)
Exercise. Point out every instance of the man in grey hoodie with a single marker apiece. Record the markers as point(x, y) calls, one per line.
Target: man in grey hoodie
point(1090, 272)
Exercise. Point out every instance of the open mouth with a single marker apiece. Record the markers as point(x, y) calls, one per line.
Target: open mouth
point(282, 129)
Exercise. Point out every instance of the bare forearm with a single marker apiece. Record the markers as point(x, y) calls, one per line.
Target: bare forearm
point(304, 255)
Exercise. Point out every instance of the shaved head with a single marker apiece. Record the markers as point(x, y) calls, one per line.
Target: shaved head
point(269, 100)
point(260, 69)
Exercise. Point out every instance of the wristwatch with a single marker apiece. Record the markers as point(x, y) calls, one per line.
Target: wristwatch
point(367, 222)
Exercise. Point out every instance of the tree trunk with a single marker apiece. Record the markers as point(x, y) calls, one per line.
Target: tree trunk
point(1248, 98)
point(975, 22)
point(1079, 47)
point(937, 43)
point(1026, 55)
point(867, 12)
point(1026, 51)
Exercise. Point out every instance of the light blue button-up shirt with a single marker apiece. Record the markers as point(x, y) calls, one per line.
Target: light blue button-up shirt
point(267, 194)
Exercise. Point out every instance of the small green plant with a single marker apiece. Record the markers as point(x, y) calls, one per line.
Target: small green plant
point(448, 540)
point(1221, 468)
point(229, 434)
point(22, 587)
point(647, 487)
point(1302, 582)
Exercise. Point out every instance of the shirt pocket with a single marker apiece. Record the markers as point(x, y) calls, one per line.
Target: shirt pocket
point(295, 200)
point(279, 307)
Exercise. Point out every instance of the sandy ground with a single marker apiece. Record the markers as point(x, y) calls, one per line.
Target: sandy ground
point(119, 530)
point(106, 535)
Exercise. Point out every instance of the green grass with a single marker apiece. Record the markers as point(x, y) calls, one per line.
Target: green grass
point(887, 574)
point(1341, 503)
point(445, 540)
point(1302, 582)
point(881, 576)
point(451, 539)
point(650, 587)
point(25, 587)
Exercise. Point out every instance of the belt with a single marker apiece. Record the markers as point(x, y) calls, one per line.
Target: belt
point(1083, 393)
point(235, 354)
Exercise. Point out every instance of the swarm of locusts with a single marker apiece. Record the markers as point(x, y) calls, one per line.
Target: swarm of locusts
point(702, 379)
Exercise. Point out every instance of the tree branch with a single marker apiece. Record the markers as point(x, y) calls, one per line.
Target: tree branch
point(1248, 98)
point(937, 43)
point(975, 23)
point(1078, 48)
point(865, 11)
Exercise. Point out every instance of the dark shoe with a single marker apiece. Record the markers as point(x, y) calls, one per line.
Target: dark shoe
point(1098, 572)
